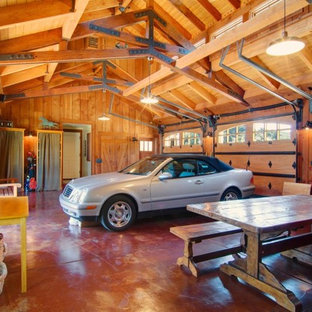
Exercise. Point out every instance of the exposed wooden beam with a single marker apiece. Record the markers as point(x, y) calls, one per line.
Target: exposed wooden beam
point(67, 56)
point(31, 42)
point(211, 9)
point(173, 82)
point(225, 80)
point(202, 92)
point(27, 12)
point(178, 31)
point(236, 3)
point(189, 14)
point(72, 22)
point(251, 26)
point(135, 40)
point(22, 76)
point(182, 99)
point(306, 56)
point(82, 30)
point(273, 84)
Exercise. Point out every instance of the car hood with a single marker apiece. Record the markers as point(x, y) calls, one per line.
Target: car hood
point(99, 180)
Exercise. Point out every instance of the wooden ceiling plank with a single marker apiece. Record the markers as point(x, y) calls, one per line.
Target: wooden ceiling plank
point(202, 92)
point(211, 9)
point(33, 11)
point(31, 42)
point(236, 3)
point(189, 14)
point(306, 56)
point(273, 84)
point(249, 27)
point(96, 5)
point(11, 69)
point(22, 76)
point(82, 30)
point(183, 99)
point(95, 15)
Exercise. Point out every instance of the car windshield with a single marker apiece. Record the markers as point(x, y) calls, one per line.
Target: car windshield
point(144, 166)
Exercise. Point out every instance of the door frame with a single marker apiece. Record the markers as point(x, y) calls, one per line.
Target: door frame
point(80, 162)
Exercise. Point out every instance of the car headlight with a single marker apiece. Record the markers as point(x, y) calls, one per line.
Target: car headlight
point(78, 195)
point(83, 194)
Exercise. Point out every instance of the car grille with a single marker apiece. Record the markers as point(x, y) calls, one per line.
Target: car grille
point(67, 191)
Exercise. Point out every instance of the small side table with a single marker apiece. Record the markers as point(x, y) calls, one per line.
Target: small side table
point(14, 210)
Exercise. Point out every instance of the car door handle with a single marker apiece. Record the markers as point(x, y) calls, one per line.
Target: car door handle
point(199, 182)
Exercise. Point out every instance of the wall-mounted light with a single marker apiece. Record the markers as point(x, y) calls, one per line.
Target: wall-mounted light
point(285, 45)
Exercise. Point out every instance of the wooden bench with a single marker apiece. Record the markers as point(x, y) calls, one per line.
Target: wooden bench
point(195, 233)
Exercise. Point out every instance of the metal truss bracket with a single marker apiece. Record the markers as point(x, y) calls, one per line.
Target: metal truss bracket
point(151, 14)
point(105, 30)
point(16, 57)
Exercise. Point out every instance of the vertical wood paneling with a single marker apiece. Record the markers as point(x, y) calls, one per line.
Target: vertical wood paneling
point(111, 140)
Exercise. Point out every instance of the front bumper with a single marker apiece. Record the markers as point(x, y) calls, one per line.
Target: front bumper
point(80, 211)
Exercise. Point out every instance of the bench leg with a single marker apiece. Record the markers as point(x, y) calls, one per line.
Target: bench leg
point(187, 259)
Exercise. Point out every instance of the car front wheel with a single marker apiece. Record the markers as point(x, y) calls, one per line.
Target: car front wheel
point(118, 213)
point(231, 194)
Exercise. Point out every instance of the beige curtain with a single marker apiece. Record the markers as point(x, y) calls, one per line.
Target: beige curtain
point(49, 166)
point(11, 155)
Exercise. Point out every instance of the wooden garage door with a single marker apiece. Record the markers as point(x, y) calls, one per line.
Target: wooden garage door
point(265, 146)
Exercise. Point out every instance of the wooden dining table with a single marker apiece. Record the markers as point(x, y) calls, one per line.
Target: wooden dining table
point(266, 223)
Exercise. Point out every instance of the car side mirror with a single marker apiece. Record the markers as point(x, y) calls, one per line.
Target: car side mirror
point(165, 176)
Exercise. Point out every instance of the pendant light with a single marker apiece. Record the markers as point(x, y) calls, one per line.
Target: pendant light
point(104, 117)
point(149, 98)
point(285, 45)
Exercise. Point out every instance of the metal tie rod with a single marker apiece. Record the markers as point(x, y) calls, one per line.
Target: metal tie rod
point(270, 74)
point(184, 108)
point(224, 53)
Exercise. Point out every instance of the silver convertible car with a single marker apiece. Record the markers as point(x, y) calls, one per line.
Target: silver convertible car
point(153, 183)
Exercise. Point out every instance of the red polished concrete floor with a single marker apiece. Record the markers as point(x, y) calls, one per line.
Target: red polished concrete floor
point(90, 269)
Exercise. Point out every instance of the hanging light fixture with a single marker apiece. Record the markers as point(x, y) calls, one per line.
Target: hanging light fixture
point(104, 116)
point(149, 98)
point(285, 45)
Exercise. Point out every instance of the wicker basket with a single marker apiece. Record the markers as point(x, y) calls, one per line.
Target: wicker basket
point(3, 274)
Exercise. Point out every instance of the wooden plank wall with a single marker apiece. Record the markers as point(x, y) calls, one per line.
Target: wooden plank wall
point(111, 140)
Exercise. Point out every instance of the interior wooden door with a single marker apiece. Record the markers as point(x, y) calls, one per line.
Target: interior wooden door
point(71, 154)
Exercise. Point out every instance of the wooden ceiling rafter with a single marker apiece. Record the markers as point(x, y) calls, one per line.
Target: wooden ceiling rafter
point(17, 14)
point(184, 100)
point(249, 27)
point(211, 9)
point(203, 93)
point(272, 83)
point(189, 14)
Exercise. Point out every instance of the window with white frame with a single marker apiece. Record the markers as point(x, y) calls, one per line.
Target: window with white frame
point(146, 146)
point(235, 134)
point(191, 138)
point(271, 131)
point(172, 140)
